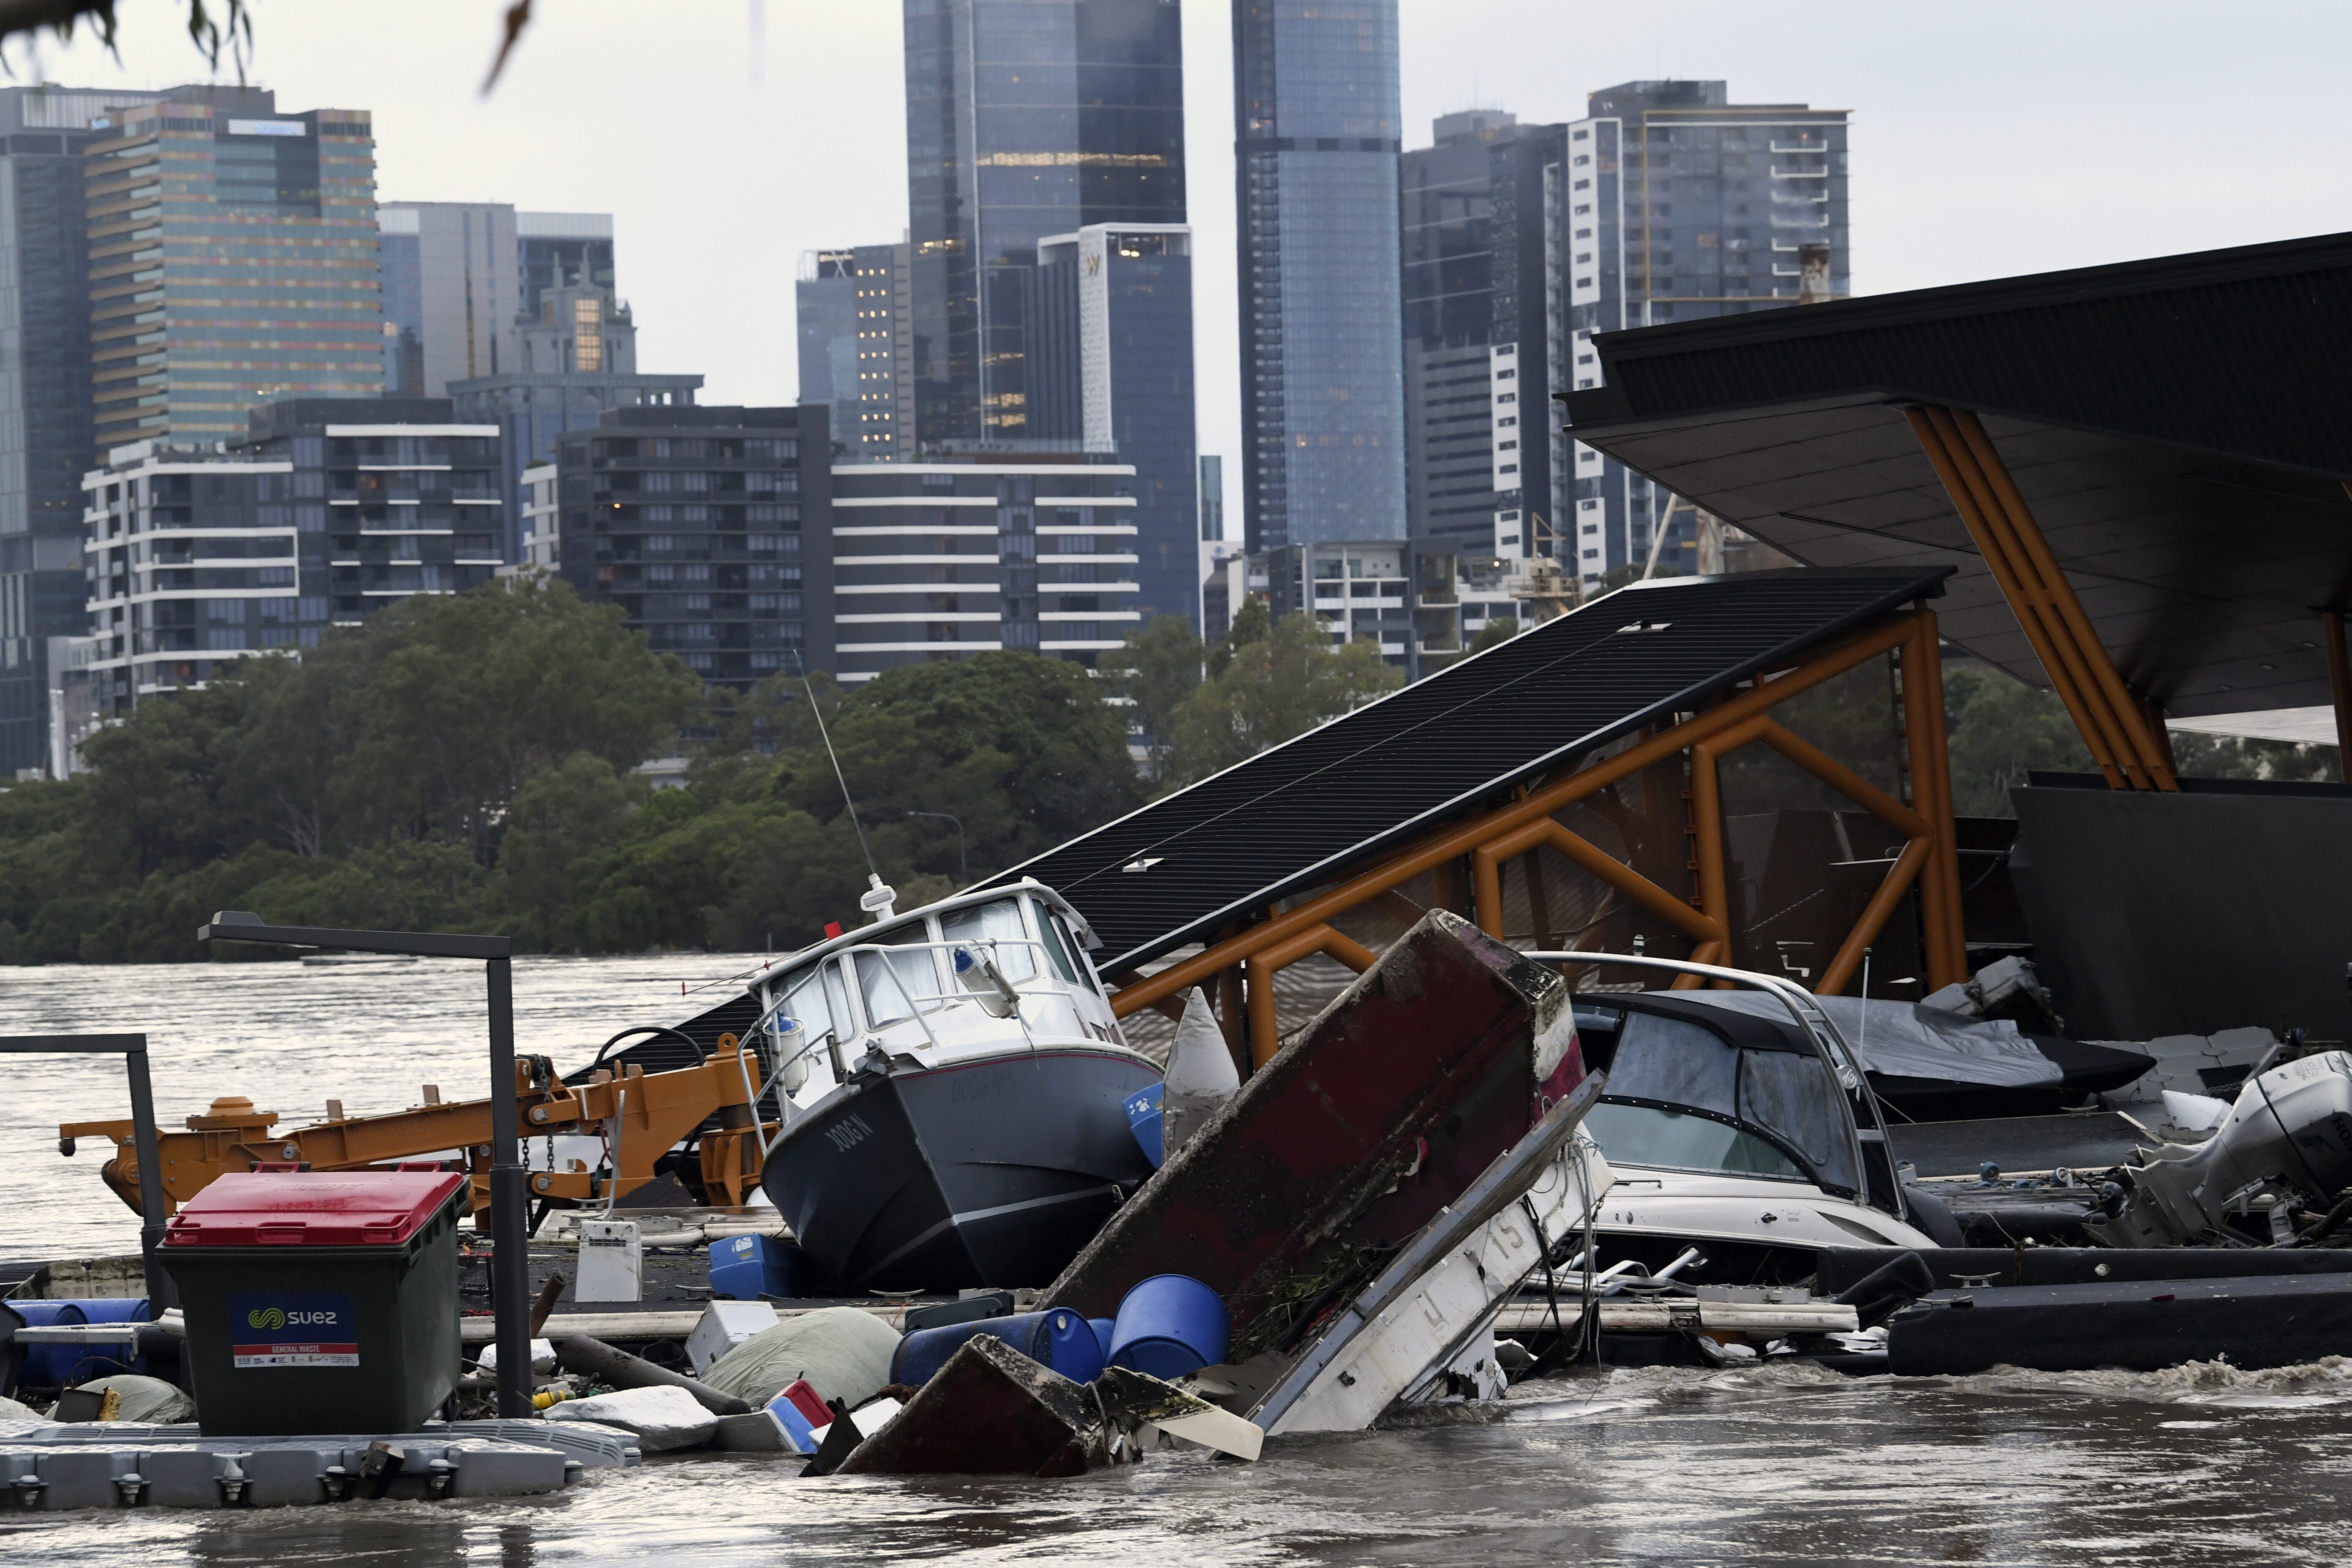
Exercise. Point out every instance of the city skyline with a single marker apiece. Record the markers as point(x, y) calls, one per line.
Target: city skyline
point(1948, 136)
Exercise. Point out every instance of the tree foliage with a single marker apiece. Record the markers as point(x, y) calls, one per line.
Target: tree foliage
point(1269, 683)
point(1155, 672)
point(469, 763)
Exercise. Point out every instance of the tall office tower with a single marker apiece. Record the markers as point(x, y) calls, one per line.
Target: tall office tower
point(450, 280)
point(44, 418)
point(232, 260)
point(1477, 407)
point(692, 520)
point(938, 560)
point(1110, 317)
point(824, 319)
point(564, 353)
point(561, 250)
point(327, 510)
point(1675, 203)
point(1025, 118)
point(856, 348)
point(1316, 128)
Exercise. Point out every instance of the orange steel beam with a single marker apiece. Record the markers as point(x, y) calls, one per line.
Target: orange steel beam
point(1874, 917)
point(2339, 686)
point(1974, 514)
point(1931, 791)
point(1264, 1038)
point(1971, 495)
point(1452, 844)
point(1488, 859)
point(2068, 606)
point(2042, 598)
point(2076, 661)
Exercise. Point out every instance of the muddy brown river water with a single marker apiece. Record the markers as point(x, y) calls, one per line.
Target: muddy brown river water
point(1759, 1466)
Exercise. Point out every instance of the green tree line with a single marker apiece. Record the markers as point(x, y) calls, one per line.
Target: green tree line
point(470, 763)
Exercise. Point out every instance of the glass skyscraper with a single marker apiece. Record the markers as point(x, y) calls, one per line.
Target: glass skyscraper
point(45, 421)
point(1477, 462)
point(1316, 134)
point(1025, 118)
point(855, 348)
point(1110, 349)
point(210, 212)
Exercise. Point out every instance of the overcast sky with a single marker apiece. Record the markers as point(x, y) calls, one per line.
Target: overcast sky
point(727, 136)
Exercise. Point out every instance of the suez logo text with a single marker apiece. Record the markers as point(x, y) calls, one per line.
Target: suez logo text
point(279, 1329)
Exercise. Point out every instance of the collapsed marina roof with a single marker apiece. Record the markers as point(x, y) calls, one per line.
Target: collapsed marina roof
point(2175, 425)
point(1302, 813)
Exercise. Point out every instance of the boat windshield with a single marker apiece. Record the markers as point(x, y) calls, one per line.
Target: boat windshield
point(1782, 1100)
point(998, 921)
point(1649, 1135)
point(893, 985)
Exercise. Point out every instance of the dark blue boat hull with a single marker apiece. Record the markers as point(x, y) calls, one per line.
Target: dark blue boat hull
point(989, 1173)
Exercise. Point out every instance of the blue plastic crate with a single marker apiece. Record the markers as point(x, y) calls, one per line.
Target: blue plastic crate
point(747, 1268)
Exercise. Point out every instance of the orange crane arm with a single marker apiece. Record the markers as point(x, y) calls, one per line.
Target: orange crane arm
point(645, 1114)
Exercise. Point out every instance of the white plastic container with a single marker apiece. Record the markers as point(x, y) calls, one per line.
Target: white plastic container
point(612, 1261)
point(725, 1325)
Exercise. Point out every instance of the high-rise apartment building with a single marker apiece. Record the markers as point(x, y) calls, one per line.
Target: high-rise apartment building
point(45, 433)
point(1476, 392)
point(1110, 354)
point(210, 212)
point(1675, 203)
point(327, 510)
point(711, 527)
point(856, 326)
point(1316, 134)
point(1025, 118)
point(935, 560)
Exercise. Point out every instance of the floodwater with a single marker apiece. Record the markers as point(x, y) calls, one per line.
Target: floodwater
point(1770, 1465)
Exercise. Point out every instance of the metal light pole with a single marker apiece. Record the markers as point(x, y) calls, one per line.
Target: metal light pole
point(963, 865)
point(510, 1230)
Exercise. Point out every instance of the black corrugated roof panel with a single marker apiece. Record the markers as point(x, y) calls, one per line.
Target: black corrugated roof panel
point(1300, 815)
point(2245, 353)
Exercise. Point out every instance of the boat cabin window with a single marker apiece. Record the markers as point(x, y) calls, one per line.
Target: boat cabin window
point(893, 985)
point(1782, 1099)
point(1647, 1135)
point(817, 1001)
point(999, 922)
point(1050, 930)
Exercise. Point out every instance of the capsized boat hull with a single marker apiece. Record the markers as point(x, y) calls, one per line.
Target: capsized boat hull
point(993, 1172)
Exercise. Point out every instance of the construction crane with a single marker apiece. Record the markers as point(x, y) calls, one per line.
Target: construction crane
point(641, 1117)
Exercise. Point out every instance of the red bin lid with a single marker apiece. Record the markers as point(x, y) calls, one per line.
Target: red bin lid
point(312, 1208)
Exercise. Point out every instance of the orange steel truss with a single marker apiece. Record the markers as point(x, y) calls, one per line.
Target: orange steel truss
point(1244, 961)
point(2130, 754)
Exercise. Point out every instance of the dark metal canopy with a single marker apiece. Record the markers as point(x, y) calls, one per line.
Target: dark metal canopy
point(1300, 815)
point(2181, 429)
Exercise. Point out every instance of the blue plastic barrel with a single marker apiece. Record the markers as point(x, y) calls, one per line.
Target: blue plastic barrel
point(52, 1366)
point(1057, 1337)
point(1143, 1119)
point(1168, 1325)
point(1102, 1328)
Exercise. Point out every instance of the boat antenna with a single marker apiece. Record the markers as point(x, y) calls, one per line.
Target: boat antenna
point(806, 685)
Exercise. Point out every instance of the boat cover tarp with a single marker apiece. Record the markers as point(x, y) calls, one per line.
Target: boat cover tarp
point(1906, 1039)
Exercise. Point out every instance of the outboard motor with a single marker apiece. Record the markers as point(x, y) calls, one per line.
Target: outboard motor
point(2291, 1130)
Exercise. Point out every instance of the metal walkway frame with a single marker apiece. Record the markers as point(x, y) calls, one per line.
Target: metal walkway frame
point(1242, 962)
